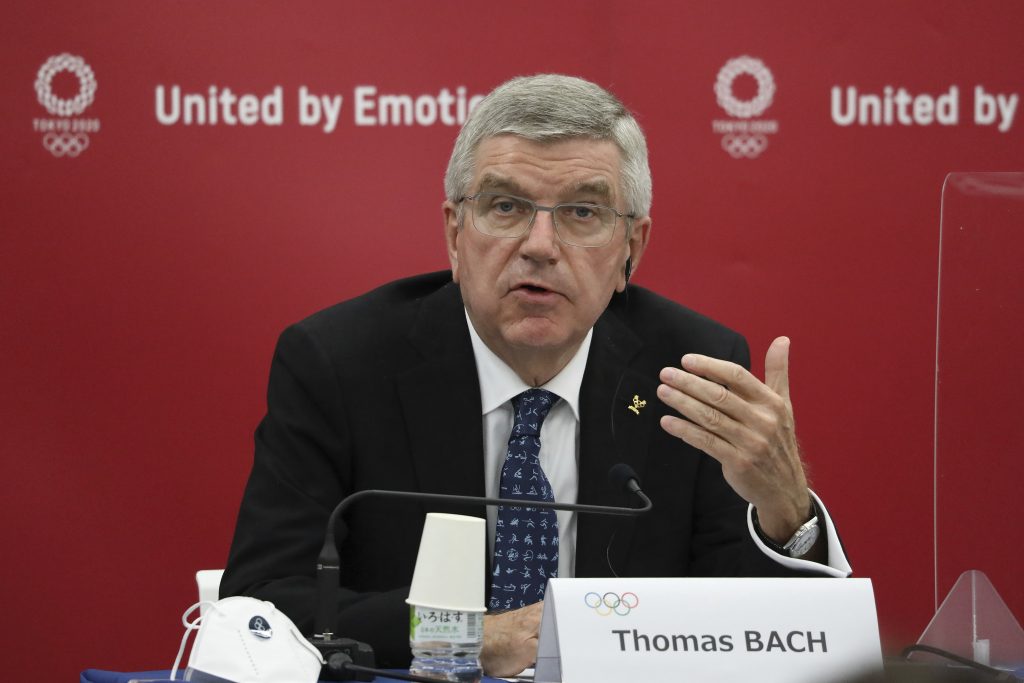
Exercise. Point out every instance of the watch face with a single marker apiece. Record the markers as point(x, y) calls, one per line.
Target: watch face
point(803, 540)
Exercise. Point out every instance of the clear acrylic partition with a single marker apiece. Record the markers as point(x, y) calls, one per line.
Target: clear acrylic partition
point(979, 413)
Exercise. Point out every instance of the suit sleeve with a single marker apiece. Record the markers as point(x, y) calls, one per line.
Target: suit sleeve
point(301, 470)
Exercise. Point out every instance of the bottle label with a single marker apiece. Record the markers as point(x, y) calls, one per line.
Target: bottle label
point(444, 625)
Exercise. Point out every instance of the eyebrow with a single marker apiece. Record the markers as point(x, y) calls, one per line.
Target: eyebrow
point(593, 188)
point(599, 188)
point(492, 181)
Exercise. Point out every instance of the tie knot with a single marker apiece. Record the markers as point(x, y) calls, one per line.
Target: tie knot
point(530, 409)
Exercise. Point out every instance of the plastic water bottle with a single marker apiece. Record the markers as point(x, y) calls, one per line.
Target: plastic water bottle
point(446, 644)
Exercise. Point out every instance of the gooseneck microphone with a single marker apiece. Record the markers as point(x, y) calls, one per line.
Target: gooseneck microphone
point(328, 566)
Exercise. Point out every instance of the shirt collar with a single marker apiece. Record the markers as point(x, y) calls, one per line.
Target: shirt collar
point(499, 383)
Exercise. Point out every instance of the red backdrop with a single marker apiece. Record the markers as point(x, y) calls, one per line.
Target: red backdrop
point(146, 276)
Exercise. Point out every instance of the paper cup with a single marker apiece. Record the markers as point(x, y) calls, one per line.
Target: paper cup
point(450, 568)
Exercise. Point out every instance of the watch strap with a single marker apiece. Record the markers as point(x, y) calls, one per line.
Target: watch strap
point(805, 528)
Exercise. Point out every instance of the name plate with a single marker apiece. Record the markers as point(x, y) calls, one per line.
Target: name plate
point(707, 630)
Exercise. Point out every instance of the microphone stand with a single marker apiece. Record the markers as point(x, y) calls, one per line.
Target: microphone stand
point(339, 652)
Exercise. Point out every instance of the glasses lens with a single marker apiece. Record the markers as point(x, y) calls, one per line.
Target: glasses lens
point(585, 225)
point(501, 215)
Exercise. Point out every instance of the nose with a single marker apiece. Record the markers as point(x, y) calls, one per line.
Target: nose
point(541, 242)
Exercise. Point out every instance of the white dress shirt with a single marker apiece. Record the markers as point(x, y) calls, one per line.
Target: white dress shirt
point(560, 452)
point(559, 436)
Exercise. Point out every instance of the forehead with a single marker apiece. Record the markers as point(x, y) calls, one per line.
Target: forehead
point(542, 169)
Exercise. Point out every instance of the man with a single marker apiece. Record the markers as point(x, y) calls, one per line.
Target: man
point(419, 384)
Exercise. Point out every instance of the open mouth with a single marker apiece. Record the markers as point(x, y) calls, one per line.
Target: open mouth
point(533, 293)
point(534, 289)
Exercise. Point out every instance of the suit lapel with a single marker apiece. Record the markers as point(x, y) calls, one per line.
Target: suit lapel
point(616, 418)
point(441, 401)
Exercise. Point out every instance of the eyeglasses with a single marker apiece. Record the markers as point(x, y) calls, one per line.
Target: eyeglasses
point(580, 225)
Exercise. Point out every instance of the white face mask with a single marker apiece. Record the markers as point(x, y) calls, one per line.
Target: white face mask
point(244, 640)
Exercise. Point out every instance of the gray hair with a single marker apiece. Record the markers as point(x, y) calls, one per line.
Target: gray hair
point(548, 108)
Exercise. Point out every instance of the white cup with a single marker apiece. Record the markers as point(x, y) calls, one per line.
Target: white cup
point(450, 568)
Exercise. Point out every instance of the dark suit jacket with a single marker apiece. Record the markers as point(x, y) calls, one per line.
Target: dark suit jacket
point(381, 392)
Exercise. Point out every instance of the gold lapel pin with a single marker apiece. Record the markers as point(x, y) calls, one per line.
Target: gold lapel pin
point(637, 404)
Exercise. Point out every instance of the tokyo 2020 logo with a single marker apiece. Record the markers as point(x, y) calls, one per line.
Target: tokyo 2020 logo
point(66, 136)
point(745, 109)
point(86, 85)
point(744, 136)
point(611, 603)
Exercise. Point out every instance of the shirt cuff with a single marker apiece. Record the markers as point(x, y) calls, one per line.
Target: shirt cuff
point(837, 565)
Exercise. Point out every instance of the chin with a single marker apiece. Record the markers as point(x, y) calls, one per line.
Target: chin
point(530, 334)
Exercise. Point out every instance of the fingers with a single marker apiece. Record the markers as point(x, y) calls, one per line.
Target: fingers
point(724, 413)
point(739, 380)
point(743, 423)
point(735, 378)
point(714, 412)
point(730, 414)
point(699, 438)
point(776, 367)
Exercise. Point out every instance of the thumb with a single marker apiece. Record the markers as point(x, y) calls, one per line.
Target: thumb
point(776, 367)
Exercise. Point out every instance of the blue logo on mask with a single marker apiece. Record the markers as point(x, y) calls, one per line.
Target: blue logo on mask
point(259, 627)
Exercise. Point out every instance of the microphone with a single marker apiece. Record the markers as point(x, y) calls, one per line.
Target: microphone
point(622, 476)
point(328, 567)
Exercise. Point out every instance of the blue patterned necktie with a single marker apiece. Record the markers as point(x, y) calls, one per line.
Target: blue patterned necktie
point(525, 538)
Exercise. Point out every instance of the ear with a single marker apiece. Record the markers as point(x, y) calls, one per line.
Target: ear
point(636, 243)
point(451, 236)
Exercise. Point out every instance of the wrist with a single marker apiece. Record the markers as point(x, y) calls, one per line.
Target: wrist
point(780, 522)
point(796, 543)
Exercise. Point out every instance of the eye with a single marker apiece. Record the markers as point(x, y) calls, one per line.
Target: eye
point(579, 213)
point(505, 206)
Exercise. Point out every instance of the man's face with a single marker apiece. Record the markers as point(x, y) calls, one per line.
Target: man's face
point(535, 297)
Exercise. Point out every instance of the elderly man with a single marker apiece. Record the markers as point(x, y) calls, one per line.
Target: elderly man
point(533, 360)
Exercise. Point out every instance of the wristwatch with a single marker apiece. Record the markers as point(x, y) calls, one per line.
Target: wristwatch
point(799, 543)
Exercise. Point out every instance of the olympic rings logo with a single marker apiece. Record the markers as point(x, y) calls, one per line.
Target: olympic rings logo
point(66, 144)
point(744, 109)
point(748, 146)
point(611, 602)
point(86, 85)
